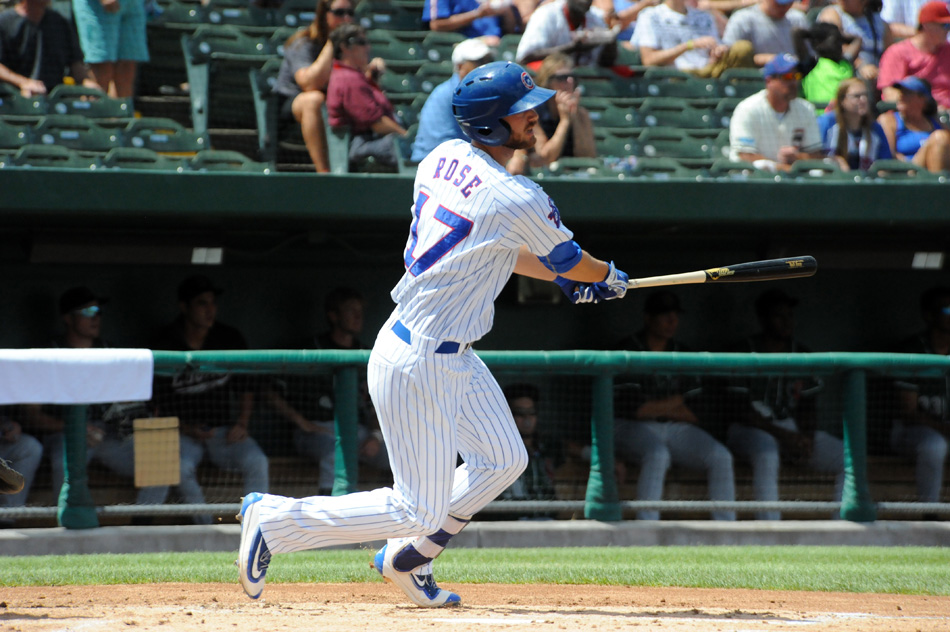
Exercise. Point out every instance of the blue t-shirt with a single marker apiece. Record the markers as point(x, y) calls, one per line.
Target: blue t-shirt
point(861, 153)
point(437, 124)
point(447, 8)
point(908, 141)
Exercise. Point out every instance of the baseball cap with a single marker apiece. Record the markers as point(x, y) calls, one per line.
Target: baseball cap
point(784, 3)
point(914, 84)
point(77, 297)
point(195, 285)
point(936, 11)
point(474, 49)
point(770, 298)
point(780, 64)
point(661, 302)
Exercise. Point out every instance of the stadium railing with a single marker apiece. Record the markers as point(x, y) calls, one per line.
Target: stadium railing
point(846, 374)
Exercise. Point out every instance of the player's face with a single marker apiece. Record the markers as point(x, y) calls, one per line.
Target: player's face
point(525, 413)
point(201, 311)
point(522, 129)
point(83, 323)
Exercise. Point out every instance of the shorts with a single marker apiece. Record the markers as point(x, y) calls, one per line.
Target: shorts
point(110, 37)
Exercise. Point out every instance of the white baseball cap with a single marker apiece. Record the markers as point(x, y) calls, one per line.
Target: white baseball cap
point(474, 49)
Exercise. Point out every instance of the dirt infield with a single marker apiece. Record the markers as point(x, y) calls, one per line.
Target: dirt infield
point(489, 607)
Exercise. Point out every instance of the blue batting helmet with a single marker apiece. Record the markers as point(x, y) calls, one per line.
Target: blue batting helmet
point(490, 93)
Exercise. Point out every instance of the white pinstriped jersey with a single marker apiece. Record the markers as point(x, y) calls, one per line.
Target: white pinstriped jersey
point(470, 217)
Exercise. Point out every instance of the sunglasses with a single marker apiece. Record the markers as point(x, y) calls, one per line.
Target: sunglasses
point(789, 76)
point(340, 13)
point(88, 312)
point(563, 76)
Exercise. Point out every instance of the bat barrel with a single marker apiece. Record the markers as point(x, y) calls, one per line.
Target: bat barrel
point(766, 270)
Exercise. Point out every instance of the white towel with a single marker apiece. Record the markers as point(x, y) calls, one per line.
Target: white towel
point(75, 376)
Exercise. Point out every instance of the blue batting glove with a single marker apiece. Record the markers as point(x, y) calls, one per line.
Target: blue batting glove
point(568, 287)
point(616, 283)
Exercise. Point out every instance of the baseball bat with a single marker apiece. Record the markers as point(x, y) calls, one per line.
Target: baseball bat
point(766, 270)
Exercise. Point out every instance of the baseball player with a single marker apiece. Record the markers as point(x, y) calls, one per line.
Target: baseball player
point(473, 225)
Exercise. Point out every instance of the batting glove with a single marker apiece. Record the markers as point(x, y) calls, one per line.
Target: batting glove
point(616, 283)
point(570, 289)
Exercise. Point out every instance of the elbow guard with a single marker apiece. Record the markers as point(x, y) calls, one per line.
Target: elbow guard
point(565, 256)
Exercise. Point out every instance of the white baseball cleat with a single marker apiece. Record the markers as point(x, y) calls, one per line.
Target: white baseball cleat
point(253, 555)
point(418, 584)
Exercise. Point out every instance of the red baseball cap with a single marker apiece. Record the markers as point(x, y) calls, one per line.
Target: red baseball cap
point(936, 11)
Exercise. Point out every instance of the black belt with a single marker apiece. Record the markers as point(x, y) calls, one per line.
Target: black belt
point(447, 346)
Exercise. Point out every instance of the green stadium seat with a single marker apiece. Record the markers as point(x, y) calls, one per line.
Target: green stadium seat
point(13, 136)
point(627, 56)
point(404, 150)
point(166, 66)
point(401, 56)
point(740, 83)
point(602, 82)
point(216, 160)
point(670, 112)
point(165, 136)
point(408, 113)
point(83, 101)
point(249, 18)
point(724, 110)
point(53, 156)
point(667, 142)
point(606, 113)
point(894, 169)
point(660, 168)
point(296, 13)
point(141, 159)
point(338, 146)
point(431, 74)
point(393, 82)
point(578, 168)
point(508, 47)
point(217, 60)
point(726, 169)
point(617, 142)
point(383, 14)
point(669, 82)
point(823, 169)
point(265, 108)
point(438, 45)
point(76, 132)
point(18, 108)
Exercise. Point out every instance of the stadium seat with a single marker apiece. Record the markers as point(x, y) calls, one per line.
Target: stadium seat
point(404, 150)
point(338, 146)
point(217, 60)
point(660, 168)
point(724, 109)
point(431, 74)
point(508, 47)
point(279, 37)
point(82, 101)
point(601, 82)
point(213, 160)
point(670, 112)
point(667, 142)
point(15, 107)
point(164, 136)
point(438, 45)
point(740, 83)
point(574, 167)
point(166, 66)
point(76, 132)
point(53, 156)
point(627, 56)
point(617, 142)
point(265, 108)
point(383, 14)
point(402, 56)
point(249, 18)
point(408, 113)
point(894, 169)
point(14, 136)
point(296, 13)
point(139, 158)
point(669, 82)
point(605, 113)
point(824, 169)
point(393, 82)
point(737, 170)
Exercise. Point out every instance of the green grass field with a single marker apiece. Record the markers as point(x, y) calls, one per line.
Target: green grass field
point(910, 570)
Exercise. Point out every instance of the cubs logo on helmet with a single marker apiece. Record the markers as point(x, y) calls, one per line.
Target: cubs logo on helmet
point(527, 81)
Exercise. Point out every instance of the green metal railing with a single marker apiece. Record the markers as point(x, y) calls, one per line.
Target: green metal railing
point(602, 501)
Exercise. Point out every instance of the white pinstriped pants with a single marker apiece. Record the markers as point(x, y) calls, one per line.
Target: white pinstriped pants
point(432, 407)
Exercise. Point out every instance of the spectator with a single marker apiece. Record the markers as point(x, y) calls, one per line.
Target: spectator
point(304, 74)
point(307, 400)
point(919, 431)
point(357, 102)
point(768, 25)
point(488, 19)
point(20, 453)
point(779, 416)
point(913, 129)
point(564, 126)
point(926, 55)
point(112, 37)
point(623, 15)
point(656, 424)
point(437, 124)
point(820, 51)
point(81, 312)
point(773, 128)
point(902, 16)
point(202, 400)
point(862, 20)
point(849, 133)
point(567, 26)
point(676, 34)
point(37, 49)
point(536, 481)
